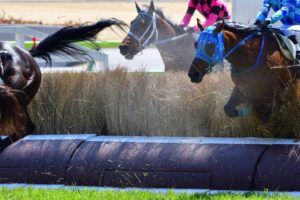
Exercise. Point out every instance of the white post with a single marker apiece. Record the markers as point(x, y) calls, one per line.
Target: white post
point(105, 61)
point(20, 39)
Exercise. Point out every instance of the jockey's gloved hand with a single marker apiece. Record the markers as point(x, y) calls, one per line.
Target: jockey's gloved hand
point(257, 23)
point(266, 23)
point(181, 26)
point(189, 29)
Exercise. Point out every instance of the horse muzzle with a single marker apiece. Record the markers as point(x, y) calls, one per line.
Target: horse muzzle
point(196, 77)
point(127, 51)
point(124, 49)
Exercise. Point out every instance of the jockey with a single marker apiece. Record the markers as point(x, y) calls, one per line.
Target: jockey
point(212, 10)
point(287, 11)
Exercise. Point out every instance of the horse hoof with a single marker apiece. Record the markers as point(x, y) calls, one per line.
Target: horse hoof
point(3, 144)
point(230, 112)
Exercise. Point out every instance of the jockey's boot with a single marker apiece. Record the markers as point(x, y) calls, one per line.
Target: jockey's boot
point(297, 46)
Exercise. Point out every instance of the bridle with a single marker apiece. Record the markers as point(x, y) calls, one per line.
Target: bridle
point(143, 40)
point(152, 33)
point(217, 39)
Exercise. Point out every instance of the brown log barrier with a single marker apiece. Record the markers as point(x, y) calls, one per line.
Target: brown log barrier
point(154, 162)
point(38, 159)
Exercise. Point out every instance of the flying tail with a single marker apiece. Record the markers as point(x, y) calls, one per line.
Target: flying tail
point(61, 42)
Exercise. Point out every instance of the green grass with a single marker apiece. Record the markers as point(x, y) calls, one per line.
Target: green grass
point(107, 44)
point(53, 194)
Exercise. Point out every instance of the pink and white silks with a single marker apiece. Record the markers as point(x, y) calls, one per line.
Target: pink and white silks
point(212, 10)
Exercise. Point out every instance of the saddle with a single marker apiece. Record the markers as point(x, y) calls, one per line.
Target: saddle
point(286, 47)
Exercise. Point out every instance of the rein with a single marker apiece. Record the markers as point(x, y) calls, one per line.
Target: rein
point(154, 32)
point(177, 37)
point(248, 69)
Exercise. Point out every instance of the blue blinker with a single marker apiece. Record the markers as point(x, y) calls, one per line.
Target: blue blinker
point(208, 37)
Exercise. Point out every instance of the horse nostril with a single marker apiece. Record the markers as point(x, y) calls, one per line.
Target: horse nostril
point(194, 76)
point(123, 49)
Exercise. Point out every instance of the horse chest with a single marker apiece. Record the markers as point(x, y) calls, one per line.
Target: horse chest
point(257, 85)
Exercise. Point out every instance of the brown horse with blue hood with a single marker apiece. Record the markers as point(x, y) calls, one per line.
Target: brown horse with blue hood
point(259, 71)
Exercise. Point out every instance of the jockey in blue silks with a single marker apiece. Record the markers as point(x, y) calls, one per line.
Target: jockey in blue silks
point(287, 11)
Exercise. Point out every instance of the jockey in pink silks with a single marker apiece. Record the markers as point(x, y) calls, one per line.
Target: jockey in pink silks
point(212, 10)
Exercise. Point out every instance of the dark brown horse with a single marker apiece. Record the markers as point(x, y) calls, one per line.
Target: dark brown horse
point(21, 74)
point(258, 69)
point(150, 26)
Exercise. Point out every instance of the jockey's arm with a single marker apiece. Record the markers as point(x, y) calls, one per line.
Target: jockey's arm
point(213, 16)
point(188, 15)
point(263, 13)
point(282, 13)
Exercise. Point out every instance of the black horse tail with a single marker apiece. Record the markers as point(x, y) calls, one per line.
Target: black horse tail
point(11, 114)
point(61, 41)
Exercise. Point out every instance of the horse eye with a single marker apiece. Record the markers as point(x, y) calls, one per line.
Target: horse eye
point(210, 49)
point(195, 45)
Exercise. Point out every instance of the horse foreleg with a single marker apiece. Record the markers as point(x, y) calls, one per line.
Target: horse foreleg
point(236, 98)
point(20, 133)
point(262, 111)
point(29, 125)
point(29, 128)
point(8, 141)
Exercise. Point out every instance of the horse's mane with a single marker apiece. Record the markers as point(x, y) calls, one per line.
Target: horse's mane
point(236, 26)
point(160, 13)
point(244, 29)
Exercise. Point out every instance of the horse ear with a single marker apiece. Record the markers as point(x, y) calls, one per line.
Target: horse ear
point(199, 25)
point(219, 28)
point(138, 9)
point(151, 7)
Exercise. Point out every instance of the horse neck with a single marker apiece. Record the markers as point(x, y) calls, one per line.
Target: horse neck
point(167, 31)
point(246, 54)
point(176, 54)
point(164, 29)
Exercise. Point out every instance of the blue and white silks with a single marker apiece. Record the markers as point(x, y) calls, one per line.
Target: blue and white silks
point(287, 11)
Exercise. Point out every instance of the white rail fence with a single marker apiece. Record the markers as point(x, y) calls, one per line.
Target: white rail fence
point(20, 33)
